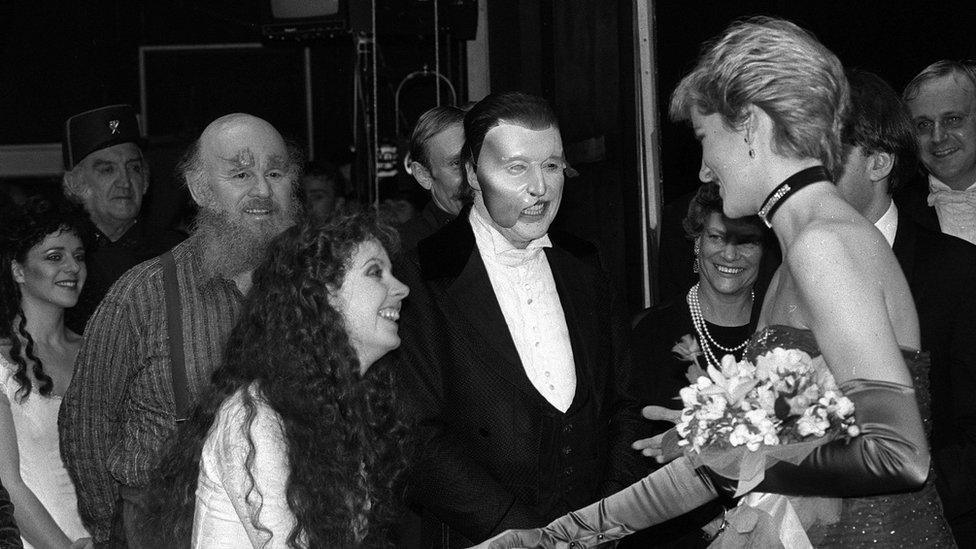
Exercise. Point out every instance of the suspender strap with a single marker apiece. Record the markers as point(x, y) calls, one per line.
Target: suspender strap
point(174, 329)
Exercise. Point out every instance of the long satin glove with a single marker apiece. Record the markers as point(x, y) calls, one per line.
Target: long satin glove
point(890, 454)
point(671, 491)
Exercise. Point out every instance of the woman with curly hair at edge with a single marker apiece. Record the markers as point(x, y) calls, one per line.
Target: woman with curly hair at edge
point(296, 444)
point(43, 273)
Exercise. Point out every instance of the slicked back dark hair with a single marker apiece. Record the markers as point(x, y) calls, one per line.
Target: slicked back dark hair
point(878, 121)
point(432, 122)
point(519, 108)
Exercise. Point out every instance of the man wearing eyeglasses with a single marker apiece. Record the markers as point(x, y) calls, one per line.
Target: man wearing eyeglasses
point(942, 103)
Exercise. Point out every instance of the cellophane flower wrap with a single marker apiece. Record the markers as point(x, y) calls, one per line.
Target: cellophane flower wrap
point(744, 417)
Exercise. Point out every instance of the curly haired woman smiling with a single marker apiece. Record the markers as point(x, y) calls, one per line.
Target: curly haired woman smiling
point(296, 444)
point(42, 273)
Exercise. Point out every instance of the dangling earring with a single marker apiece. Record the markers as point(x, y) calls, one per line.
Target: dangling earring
point(695, 268)
point(752, 152)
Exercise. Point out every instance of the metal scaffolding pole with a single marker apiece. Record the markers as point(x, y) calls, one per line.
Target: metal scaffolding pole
point(648, 133)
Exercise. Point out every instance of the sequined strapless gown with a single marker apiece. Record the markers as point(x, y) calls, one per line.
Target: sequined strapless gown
point(912, 519)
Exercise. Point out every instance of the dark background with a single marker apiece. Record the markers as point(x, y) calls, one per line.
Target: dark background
point(59, 58)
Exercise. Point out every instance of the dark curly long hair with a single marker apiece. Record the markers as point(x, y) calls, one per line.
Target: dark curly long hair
point(23, 228)
point(290, 347)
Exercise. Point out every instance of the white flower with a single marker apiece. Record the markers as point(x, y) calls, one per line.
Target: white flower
point(810, 424)
point(799, 404)
point(687, 349)
point(766, 398)
point(757, 416)
point(689, 396)
point(844, 407)
point(730, 368)
point(714, 408)
point(743, 435)
point(740, 435)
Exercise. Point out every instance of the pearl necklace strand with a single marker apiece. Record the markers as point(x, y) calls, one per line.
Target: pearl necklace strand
point(698, 320)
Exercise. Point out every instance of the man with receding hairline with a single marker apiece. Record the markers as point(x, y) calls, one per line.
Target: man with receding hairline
point(133, 379)
point(942, 103)
point(434, 160)
point(879, 140)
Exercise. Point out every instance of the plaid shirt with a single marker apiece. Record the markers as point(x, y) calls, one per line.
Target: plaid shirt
point(119, 409)
point(9, 534)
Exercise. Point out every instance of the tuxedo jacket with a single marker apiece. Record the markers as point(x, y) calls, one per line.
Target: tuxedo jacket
point(941, 271)
point(422, 225)
point(912, 201)
point(495, 454)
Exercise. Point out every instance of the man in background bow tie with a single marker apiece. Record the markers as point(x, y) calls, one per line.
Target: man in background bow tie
point(942, 103)
point(513, 348)
point(880, 147)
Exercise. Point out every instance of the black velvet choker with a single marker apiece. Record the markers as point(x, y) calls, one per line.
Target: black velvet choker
point(792, 184)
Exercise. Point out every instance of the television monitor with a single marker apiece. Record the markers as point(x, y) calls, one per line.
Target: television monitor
point(301, 9)
point(302, 20)
point(305, 19)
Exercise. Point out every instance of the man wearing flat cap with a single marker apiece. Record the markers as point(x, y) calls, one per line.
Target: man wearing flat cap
point(105, 171)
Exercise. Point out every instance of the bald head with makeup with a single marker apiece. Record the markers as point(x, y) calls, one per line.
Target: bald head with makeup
point(243, 176)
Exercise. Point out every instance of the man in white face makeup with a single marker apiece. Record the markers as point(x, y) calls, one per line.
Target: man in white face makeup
point(513, 344)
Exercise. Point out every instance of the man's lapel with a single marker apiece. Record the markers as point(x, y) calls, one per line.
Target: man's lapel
point(904, 246)
point(475, 300)
point(451, 259)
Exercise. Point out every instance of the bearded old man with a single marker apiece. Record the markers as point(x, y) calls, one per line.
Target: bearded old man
point(159, 333)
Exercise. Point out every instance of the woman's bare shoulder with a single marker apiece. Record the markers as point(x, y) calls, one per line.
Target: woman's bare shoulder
point(832, 244)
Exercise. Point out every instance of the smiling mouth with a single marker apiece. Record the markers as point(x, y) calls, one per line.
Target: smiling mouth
point(390, 314)
point(729, 270)
point(942, 153)
point(72, 284)
point(537, 209)
point(257, 211)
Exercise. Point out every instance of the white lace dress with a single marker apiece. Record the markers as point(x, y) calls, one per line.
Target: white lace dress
point(36, 423)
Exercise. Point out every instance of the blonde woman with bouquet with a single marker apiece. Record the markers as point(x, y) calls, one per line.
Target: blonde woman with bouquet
point(766, 101)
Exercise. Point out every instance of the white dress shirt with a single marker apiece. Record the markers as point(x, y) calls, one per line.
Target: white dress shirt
point(888, 223)
point(526, 293)
point(956, 209)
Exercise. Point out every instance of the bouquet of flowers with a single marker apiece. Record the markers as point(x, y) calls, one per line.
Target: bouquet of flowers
point(742, 417)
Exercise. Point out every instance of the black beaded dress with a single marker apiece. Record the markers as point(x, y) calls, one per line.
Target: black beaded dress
point(910, 519)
